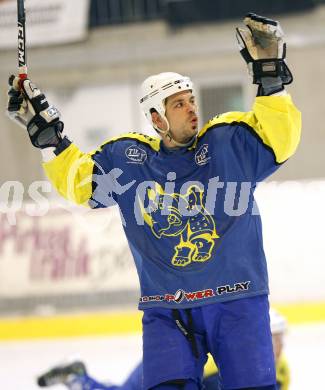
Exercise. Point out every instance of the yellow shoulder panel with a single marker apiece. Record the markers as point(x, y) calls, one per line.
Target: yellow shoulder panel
point(274, 119)
point(153, 142)
point(71, 174)
point(71, 171)
point(233, 117)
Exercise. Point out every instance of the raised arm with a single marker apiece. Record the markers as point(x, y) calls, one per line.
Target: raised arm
point(274, 121)
point(269, 134)
point(70, 171)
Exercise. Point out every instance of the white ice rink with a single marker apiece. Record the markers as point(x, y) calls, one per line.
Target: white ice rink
point(112, 358)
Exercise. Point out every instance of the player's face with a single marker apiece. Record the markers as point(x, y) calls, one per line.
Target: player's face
point(181, 112)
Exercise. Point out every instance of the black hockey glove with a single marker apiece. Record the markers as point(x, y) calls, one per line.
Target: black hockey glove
point(28, 107)
point(264, 50)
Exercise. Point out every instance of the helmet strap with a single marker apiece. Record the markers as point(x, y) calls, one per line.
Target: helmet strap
point(169, 135)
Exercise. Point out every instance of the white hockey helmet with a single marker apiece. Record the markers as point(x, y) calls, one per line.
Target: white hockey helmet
point(277, 322)
point(155, 89)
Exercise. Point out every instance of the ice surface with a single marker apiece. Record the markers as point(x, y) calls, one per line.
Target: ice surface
point(112, 358)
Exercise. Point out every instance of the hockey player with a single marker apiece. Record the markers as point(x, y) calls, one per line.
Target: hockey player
point(200, 261)
point(278, 329)
point(76, 377)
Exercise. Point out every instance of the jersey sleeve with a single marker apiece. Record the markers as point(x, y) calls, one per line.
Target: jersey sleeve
point(264, 137)
point(90, 179)
point(77, 175)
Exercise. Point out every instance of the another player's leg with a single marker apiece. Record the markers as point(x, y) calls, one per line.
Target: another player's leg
point(86, 382)
point(73, 376)
point(135, 380)
point(61, 374)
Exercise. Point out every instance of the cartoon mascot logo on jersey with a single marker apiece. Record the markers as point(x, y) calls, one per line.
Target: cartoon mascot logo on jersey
point(196, 231)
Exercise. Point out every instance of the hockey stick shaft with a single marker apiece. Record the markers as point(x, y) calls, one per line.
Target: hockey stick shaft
point(22, 57)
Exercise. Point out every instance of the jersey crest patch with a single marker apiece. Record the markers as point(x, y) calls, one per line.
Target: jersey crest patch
point(135, 154)
point(196, 230)
point(201, 156)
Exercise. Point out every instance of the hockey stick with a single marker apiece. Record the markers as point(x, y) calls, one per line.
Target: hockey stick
point(22, 60)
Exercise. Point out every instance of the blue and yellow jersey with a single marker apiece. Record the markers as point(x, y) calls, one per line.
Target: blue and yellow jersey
point(189, 214)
